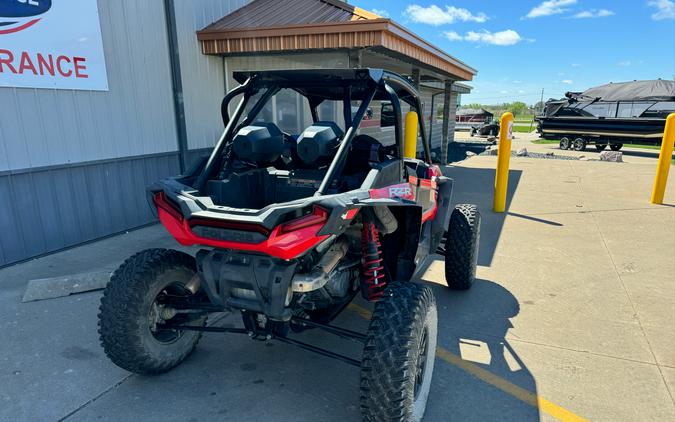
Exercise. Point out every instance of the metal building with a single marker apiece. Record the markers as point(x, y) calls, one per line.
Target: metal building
point(74, 164)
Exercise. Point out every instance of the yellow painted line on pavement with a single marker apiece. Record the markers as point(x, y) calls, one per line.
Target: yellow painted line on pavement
point(488, 377)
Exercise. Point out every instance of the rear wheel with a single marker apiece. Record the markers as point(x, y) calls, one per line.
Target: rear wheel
point(616, 147)
point(461, 246)
point(579, 144)
point(565, 143)
point(132, 312)
point(600, 147)
point(398, 358)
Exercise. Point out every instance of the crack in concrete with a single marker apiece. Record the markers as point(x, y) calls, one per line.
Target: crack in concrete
point(93, 399)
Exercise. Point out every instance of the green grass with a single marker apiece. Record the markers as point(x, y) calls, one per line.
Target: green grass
point(523, 129)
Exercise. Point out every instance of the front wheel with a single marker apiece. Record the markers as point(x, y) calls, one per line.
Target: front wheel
point(398, 358)
point(132, 312)
point(461, 246)
point(600, 147)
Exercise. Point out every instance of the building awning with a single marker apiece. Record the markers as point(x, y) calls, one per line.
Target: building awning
point(272, 26)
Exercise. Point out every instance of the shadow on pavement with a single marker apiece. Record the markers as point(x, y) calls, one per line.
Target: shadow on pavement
point(472, 325)
point(476, 186)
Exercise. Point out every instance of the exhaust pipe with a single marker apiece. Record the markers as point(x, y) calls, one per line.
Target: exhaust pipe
point(318, 277)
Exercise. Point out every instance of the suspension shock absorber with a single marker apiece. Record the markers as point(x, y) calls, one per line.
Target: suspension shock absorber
point(373, 279)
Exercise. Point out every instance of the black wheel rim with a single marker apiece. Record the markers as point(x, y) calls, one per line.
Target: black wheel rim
point(421, 362)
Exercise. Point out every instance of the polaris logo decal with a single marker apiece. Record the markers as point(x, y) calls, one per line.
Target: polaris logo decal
point(17, 15)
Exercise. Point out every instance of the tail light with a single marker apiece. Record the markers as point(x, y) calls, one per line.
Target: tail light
point(319, 215)
point(161, 202)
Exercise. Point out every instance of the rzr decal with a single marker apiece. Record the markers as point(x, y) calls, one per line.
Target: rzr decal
point(400, 191)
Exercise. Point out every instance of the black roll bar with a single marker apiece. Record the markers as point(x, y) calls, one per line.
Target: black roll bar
point(214, 158)
point(343, 149)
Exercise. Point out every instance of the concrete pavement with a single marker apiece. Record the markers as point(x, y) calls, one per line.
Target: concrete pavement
point(571, 317)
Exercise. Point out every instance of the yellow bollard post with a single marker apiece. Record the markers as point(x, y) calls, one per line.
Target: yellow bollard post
point(503, 157)
point(664, 160)
point(410, 135)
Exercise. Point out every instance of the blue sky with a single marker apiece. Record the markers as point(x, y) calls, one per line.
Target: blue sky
point(520, 47)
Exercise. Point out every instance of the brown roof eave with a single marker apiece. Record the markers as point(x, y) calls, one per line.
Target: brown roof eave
point(275, 31)
point(385, 29)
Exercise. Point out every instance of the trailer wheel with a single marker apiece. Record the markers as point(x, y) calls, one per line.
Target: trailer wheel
point(600, 147)
point(615, 147)
point(131, 312)
point(461, 247)
point(564, 143)
point(579, 144)
point(398, 357)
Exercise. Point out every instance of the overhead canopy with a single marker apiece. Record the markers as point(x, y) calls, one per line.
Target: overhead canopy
point(273, 26)
point(656, 90)
point(331, 84)
point(472, 111)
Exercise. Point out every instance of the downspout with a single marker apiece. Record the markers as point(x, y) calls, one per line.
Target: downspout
point(176, 82)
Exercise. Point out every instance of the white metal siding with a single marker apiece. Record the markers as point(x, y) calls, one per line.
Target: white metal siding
point(203, 78)
point(42, 127)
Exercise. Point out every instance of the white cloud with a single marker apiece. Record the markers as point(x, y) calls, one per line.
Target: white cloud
point(434, 15)
point(517, 82)
point(381, 12)
point(567, 81)
point(503, 92)
point(593, 13)
point(625, 63)
point(550, 7)
point(453, 36)
point(520, 91)
point(665, 9)
point(576, 65)
point(508, 37)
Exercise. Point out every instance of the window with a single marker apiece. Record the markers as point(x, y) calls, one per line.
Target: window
point(378, 122)
point(632, 109)
point(661, 109)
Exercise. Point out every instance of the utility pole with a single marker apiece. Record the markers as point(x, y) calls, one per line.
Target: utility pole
point(542, 100)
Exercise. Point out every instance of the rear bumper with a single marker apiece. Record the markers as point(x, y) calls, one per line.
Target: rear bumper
point(247, 281)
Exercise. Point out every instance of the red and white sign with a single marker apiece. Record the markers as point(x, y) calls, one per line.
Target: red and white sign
point(53, 44)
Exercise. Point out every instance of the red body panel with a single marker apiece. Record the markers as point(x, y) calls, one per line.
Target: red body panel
point(287, 245)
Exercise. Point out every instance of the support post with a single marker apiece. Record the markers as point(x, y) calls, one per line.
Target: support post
point(447, 97)
point(503, 158)
point(666, 155)
point(415, 76)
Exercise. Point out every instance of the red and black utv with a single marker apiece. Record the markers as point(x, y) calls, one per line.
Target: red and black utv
point(293, 226)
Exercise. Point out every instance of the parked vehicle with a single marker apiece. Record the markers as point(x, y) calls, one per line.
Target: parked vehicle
point(291, 228)
point(467, 118)
point(490, 129)
point(612, 114)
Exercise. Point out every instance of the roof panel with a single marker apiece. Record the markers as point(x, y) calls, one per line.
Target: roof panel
point(266, 13)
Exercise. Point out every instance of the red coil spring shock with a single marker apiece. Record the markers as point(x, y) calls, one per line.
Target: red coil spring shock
point(373, 284)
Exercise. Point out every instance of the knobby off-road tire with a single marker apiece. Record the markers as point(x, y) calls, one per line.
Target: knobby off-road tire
point(128, 310)
point(398, 358)
point(461, 246)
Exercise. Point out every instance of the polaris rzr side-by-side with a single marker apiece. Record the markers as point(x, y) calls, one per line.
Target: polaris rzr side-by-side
point(293, 226)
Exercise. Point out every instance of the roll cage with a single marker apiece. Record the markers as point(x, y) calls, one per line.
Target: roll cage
point(317, 86)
